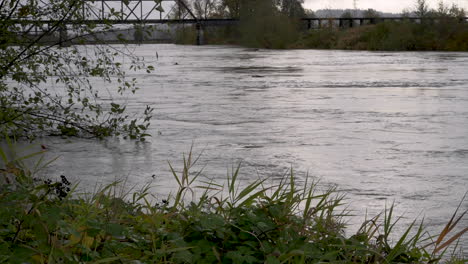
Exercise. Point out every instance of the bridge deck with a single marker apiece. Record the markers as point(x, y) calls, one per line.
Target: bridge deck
point(229, 21)
point(351, 21)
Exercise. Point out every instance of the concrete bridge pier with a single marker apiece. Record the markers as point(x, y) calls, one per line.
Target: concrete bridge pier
point(63, 37)
point(200, 34)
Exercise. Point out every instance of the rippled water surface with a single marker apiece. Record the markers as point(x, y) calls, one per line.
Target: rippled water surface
point(381, 126)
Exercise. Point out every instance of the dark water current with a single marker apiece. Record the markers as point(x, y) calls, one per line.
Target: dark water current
point(381, 126)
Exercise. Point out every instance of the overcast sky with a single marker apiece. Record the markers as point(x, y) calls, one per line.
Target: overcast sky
point(381, 5)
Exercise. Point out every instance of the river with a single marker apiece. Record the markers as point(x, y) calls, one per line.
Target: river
point(382, 127)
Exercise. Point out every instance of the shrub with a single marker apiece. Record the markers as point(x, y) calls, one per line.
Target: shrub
point(444, 35)
point(318, 39)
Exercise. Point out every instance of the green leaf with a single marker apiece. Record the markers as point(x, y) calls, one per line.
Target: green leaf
point(115, 230)
point(212, 221)
point(107, 260)
point(272, 260)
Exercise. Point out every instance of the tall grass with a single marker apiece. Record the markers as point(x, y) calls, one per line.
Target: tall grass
point(43, 221)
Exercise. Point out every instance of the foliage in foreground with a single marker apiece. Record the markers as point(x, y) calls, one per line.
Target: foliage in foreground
point(41, 222)
point(47, 86)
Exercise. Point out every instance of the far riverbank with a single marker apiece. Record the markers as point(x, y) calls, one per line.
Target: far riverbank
point(445, 35)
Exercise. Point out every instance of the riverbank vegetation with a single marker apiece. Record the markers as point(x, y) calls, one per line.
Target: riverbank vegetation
point(448, 35)
point(264, 24)
point(444, 29)
point(47, 221)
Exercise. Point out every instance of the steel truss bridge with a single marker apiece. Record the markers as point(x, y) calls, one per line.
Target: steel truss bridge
point(147, 12)
point(142, 12)
point(125, 12)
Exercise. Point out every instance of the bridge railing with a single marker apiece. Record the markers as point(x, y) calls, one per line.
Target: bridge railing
point(317, 23)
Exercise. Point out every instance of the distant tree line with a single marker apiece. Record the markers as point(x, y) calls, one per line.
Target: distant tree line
point(237, 8)
point(423, 10)
point(277, 24)
point(263, 23)
point(446, 30)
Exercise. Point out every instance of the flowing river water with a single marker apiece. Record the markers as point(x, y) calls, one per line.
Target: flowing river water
point(382, 127)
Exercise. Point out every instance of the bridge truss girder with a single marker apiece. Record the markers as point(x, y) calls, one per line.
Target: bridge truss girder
point(133, 11)
point(108, 12)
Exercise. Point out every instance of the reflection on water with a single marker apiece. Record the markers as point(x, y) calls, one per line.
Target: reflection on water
point(381, 126)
